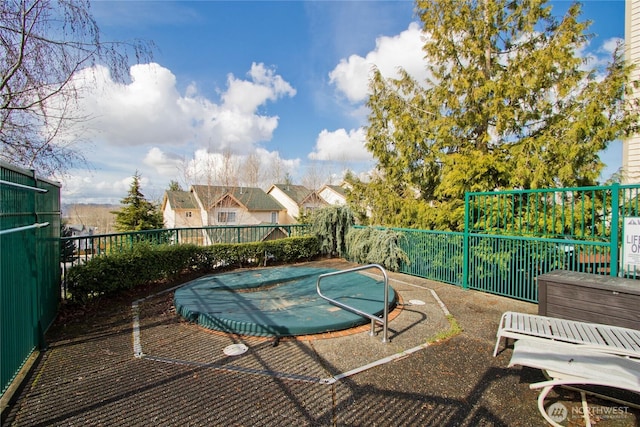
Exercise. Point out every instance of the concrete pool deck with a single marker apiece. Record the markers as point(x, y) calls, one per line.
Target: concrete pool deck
point(90, 375)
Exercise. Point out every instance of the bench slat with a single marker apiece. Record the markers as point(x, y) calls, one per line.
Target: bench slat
point(606, 338)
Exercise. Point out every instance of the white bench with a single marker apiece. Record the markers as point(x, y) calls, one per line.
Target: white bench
point(603, 338)
point(568, 365)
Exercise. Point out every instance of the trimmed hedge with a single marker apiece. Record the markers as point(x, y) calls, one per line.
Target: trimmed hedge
point(147, 263)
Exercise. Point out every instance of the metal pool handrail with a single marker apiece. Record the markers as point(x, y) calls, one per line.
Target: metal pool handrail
point(374, 319)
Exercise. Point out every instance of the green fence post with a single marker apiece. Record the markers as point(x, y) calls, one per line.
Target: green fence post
point(465, 243)
point(615, 228)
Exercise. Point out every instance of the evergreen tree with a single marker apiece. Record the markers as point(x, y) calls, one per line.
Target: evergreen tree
point(174, 186)
point(509, 103)
point(137, 213)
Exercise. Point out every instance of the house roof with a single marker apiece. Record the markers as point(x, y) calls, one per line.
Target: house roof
point(179, 199)
point(297, 193)
point(253, 199)
point(337, 188)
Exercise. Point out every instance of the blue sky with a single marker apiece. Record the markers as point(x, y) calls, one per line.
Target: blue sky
point(244, 92)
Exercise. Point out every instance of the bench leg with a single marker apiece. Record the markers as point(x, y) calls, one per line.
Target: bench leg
point(543, 412)
point(498, 339)
point(495, 350)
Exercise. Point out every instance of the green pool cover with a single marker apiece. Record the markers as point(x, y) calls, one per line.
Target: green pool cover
point(280, 301)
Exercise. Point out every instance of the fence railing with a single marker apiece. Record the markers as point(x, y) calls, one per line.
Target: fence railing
point(436, 255)
point(29, 266)
point(86, 247)
point(511, 237)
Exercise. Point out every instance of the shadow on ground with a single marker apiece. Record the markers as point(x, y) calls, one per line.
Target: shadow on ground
point(89, 375)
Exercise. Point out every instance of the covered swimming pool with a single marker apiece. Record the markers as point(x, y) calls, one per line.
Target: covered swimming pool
point(280, 301)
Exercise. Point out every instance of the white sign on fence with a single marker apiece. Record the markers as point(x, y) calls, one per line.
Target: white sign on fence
point(631, 247)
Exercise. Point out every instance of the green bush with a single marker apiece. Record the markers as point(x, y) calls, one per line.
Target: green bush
point(376, 246)
point(331, 225)
point(147, 263)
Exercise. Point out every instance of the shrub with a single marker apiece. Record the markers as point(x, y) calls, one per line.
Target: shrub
point(147, 263)
point(331, 224)
point(376, 246)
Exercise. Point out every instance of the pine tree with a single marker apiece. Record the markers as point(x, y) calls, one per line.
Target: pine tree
point(509, 103)
point(137, 213)
point(174, 186)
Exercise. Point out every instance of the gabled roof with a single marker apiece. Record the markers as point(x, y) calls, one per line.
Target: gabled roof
point(179, 199)
point(298, 193)
point(337, 188)
point(251, 198)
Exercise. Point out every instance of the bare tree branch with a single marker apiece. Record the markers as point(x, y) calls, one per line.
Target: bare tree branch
point(44, 44)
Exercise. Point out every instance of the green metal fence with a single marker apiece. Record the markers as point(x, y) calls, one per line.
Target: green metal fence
point(30, 265)
point(577, 229)
point(436, 255)
point(511, 237)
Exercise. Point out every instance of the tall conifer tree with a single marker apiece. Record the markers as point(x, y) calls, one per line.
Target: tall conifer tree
point(509, 103)
point(137, 213)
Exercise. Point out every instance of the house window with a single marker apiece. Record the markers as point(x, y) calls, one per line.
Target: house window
point(274, 217)
point(188, 214)
point(226, 217)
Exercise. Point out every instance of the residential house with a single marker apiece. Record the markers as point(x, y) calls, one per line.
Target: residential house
point(80, 230)
point(334, 194)
point(237, 205)
point(180, 209)
point(297, 199)
point(205, 205)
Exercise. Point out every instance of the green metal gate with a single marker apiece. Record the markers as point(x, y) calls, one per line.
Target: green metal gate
point(30, 265)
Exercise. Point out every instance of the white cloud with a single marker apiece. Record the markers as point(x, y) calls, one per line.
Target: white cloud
point(246, 96)
point(601, 58)
point(609, 46)
point(149, 126)
point(110, 188)
point(150, 111)
point(351, 75)
point(237, 131)
point(341, 145)
point(145, 111)
point(351, 79)
point(166, 164)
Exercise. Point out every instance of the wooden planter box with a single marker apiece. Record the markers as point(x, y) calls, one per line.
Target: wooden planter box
point(589, 297)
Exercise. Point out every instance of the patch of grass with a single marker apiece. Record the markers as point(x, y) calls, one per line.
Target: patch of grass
point(454, 329)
